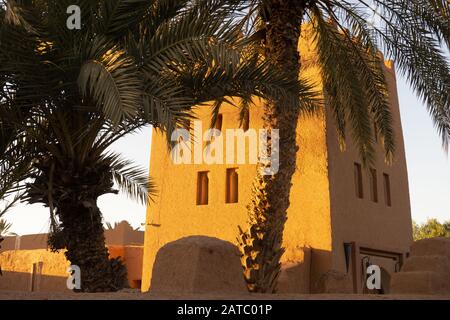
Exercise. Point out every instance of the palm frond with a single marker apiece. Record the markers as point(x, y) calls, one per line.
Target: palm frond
point(355, 82)
point(10, 204)
point(412, 33)
point(119, 16)
point(345, 94)
point(109, 76)
point(132, 180)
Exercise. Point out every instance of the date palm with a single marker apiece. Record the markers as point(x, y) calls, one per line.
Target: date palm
point(347, 36)
point(72, 93)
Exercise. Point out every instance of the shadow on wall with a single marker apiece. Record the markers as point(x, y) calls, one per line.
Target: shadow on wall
point(295, 276)
point(314, 274)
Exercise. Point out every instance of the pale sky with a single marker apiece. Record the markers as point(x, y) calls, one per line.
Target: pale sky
point(428, 171)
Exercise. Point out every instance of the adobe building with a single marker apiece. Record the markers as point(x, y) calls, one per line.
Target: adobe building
point(342, 216)
point(28, 265)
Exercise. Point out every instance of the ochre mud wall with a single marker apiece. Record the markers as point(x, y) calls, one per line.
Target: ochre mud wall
point(43, 270)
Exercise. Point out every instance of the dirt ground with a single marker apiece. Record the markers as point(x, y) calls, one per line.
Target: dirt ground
point(137, 295)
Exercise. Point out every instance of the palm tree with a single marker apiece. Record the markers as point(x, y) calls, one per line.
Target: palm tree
point(72, 93)
point(347, 39)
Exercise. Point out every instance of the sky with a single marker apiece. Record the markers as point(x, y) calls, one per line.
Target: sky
point(428, 173)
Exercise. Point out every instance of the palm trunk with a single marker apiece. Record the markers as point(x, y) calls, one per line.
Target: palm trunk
point(81, 225)
point(261, 245)
point(79, 229)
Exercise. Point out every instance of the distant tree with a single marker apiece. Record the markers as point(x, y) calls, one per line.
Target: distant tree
point(431, 229)
point(447, 226)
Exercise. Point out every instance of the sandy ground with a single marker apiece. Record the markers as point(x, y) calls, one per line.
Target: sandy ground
point(137, 295)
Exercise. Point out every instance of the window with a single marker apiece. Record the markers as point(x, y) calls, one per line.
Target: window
point(202, 188)
point(232, 191)
point(180, 141)
point(246, 121)
point(387, 189)
point(373, 185)
point(358, 180)
point(218, 123)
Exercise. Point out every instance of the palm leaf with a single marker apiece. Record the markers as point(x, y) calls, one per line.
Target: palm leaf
point(132, 180)
point(110, 78)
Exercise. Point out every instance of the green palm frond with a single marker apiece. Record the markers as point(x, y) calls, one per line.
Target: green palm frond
point(131, 179)
point(110, 76)
point(356, 87)
point(119, 16)
point(413, 34)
